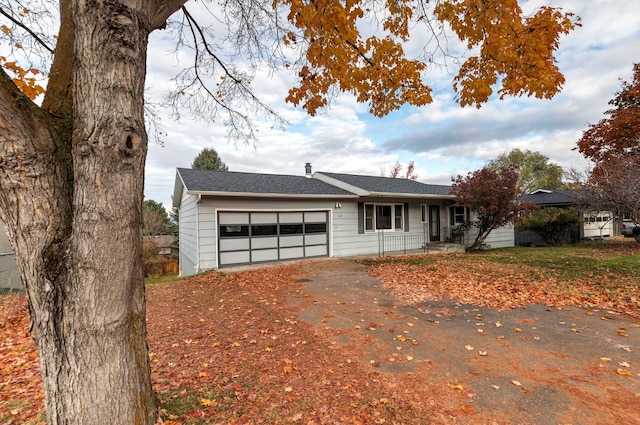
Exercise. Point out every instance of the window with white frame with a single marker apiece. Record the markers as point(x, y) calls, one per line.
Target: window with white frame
point(383, 217)
point(458, 215)
point(424, 213)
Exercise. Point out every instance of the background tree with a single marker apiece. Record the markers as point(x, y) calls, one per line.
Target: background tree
point(551, 223)
point(208, 159)
point(72, 167)
point(395, 171)
point(155, 219)
point(613, 145)
point(491, 197)
point(533, 168)
point(618, 135)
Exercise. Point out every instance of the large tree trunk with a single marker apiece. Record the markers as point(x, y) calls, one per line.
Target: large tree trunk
point(71, 180)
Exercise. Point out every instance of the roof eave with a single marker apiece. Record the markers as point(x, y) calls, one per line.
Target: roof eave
point(271, 195)
point(411, 195)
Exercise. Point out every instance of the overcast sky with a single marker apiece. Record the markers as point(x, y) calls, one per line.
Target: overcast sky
point(443, 139)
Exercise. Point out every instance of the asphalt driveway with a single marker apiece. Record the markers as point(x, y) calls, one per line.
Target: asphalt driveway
point(536, 365)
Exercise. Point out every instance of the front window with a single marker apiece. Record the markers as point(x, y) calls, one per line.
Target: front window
point(458, 215)
point(383, 217)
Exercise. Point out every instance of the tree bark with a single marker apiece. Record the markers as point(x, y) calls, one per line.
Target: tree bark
point(71, 180)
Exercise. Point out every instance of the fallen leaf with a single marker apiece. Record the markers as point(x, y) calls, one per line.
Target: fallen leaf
point(623, 372)
point(482, 353)
point(457, 387)
point(495, 387)
point(518, 330)
point(498, 325)
point(288, 389)
point(605, 359)
point(468, 347)
point(516, 383)
point(467, 409)
point(624, 364)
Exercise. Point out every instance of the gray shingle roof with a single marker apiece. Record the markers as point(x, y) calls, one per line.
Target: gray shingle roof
point(552, 197)
point(377, 184)
point(236, 182)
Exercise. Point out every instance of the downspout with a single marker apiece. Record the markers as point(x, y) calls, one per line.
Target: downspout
point(197, 266)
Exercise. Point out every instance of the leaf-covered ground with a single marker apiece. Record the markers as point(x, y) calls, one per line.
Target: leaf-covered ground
point(231, 349)
point(600, 275)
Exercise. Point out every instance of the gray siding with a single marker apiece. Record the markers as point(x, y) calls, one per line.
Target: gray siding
point(345, 240)
point(188, 235)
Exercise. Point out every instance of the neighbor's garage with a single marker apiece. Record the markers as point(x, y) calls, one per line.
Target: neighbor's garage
point(259, 237)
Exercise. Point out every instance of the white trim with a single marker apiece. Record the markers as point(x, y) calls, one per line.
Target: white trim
point(393, 216)
point(340, 184)
point(269, 195)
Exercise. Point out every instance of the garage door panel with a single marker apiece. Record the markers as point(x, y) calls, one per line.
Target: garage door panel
point(234, 244)
point(291, 217)
point(286, 241)
point(260, 243)
point(264, 218)
point(288, 253)
point(235, 257)
point(315, 216)
point(316, 239)
point(234, 218)
point(262, 255)
point(316, 251)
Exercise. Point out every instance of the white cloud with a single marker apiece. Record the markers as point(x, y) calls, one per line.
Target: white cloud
point(443, 139)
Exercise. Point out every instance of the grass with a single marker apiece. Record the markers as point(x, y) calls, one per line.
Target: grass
point(575, 261)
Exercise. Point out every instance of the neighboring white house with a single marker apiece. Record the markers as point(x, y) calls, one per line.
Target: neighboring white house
point(232, 218)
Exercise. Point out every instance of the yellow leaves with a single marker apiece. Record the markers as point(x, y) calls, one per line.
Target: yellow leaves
point(468, 347)
point(205, 402)
point(288, 366)
point(374, 69)
point(457, 387)
point(25, 79)
point(623, 372)
point(519, 49)
point(516, 383)
point(5, 29)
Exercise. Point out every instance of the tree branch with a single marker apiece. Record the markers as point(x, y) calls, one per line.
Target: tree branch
point(27, 29)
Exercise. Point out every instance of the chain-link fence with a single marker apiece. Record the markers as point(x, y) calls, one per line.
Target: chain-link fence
point(9, 275)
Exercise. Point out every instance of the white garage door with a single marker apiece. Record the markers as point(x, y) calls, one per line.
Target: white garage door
point(258, 237)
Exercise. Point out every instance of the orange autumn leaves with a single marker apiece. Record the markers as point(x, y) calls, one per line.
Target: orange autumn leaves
point(468, 280)
point(21, 394)
point(508, 47)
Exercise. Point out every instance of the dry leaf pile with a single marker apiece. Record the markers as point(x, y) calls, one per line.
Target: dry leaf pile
point(469, 279)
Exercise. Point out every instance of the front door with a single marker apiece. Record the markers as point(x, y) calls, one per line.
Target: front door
point(434, 223)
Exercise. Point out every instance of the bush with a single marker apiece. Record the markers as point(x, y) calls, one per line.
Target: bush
point(552, 224)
